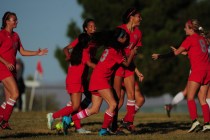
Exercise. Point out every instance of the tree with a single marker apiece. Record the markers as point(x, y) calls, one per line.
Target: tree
point(162, 26)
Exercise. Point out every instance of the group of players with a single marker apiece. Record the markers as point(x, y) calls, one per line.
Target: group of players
point(114, 70)
point(116, 65)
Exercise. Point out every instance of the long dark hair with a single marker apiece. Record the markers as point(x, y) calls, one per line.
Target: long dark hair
point(6, 17)
point(110, 38)
point(76, 55)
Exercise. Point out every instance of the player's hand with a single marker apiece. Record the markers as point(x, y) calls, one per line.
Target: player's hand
point(140, 76)
point(155, 56)
point(42, 51)
point(10, 66)
point(68, 57)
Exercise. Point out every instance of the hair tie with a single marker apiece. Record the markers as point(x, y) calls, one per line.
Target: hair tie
point(200, 28)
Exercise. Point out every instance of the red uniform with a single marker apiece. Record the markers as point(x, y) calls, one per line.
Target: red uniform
point(75, 73)
point(9, 44)
point(135, 40)
point(104, 69)
point(199, 59)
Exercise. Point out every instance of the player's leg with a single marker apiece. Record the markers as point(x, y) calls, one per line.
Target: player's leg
point(12, 94)
point(204, 106)
point(192, 88)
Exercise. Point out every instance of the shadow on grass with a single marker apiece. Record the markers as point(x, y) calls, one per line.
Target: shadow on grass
point(143, 128)
point(157, 127)
point(25, 135)
point(162, 127)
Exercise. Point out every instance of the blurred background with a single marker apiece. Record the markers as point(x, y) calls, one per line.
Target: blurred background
point(53, 24)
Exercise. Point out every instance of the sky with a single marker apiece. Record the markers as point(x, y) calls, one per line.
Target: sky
point(43, 24)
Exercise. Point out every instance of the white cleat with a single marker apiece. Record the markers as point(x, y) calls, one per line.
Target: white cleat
point(206, 128)
point(50, 120)
point(194, 126)
point(83, 131)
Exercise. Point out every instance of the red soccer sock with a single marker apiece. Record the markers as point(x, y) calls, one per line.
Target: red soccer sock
point(192, 109)
point(80, 115)
point(2, 107)
point(108, 117)
point(205, 110)
point(66, 111)
point(8, 110)
point(129, 117)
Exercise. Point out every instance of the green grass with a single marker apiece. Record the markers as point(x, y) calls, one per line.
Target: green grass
point(32, 125)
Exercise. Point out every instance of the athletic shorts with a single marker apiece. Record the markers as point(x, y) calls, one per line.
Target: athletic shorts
point(97, 83)
point(124, 72)
point(200, 76)
point(74, 88)
point(6, 73)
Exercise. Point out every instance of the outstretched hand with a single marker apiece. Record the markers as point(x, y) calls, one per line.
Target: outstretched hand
point(43, 51)
point(155, 56)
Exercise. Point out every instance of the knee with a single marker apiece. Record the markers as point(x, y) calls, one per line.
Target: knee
point(94, 111)
point(14, 96)
point(113, 105)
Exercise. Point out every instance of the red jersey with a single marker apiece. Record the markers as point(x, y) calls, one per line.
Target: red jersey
point(104, 69)
point(75, 72)
point(135, 38)
point(9, 44)
point(197, 52)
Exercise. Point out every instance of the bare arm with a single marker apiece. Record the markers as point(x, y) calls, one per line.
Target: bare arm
point(39, 52)
point(91, 64)
point(139, 74)
point(130, 58)
point(66, 52)
point(179, 50)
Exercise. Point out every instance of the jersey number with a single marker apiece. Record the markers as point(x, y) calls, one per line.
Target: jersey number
point(104, 55)
point(203, 46)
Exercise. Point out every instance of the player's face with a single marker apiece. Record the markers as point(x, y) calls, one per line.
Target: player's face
point(12, 21)
point(137, 19)
point(91, 27)
point(188, 31)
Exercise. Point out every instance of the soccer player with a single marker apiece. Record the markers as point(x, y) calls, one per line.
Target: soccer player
point(181, 95)
point(99, 81)
point(9, 45)
point(80, 57)
point(197, 49)
point(131, 19)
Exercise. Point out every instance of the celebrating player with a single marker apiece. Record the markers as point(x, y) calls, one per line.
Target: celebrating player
point(9, 45)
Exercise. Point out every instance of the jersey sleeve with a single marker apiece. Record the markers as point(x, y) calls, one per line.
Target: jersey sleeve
point(186, 43)
point(74, 43)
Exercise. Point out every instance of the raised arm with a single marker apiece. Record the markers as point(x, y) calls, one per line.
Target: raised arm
point(39, 52)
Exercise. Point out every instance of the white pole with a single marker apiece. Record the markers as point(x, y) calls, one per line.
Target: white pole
point(32, 92)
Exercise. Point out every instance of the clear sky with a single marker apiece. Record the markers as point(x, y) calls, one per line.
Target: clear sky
point(43, 24)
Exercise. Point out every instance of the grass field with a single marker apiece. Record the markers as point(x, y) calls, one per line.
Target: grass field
point(32, 125)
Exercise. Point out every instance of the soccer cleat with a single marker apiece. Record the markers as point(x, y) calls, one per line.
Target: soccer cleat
point(128, 125)
point(5, 125)
point(195, 126)
point(103, 132)
point(83, 131)
point(66, 121)
point(168, 108)
point(50, 120)
point(206, 128)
